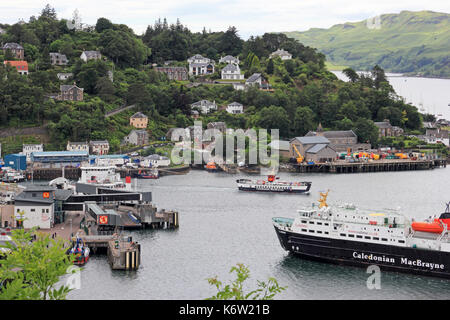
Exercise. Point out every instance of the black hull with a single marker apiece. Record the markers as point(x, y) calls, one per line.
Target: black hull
point(276, 191)
point(361, 254)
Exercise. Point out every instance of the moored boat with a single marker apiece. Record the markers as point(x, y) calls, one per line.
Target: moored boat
point(80, 252)
point(272, 185)
point(349, 236)
point(147, 174)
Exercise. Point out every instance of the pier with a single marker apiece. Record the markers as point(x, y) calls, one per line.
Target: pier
point(375, 166)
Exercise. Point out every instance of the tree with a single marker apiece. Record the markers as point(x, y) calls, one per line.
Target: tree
point(235, 290)
point(270, 67)
point(274, 117)
point(103, 24)
point(33, 268)
point(351, 74)
point(303, 120)
point(366, 131)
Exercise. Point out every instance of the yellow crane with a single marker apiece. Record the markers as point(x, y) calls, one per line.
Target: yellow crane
point(300, 157)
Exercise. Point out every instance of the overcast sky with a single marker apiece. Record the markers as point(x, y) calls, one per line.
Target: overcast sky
point(251, 17)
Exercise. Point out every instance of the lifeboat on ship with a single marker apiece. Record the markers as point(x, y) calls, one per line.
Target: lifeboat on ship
point(436, 226)
point(211, 167)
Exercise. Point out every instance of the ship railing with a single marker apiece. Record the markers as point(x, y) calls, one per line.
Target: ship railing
point(283, 222)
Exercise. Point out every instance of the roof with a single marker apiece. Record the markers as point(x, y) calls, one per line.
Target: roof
point(231, 67)
point(70, 142)
point(60, 153)
point(139, 115)
point(109, 156)
point(383, 124)
point(57, 54)
point(334, 134)
point(67, 87)
point(12, 45)
point(99, 142)
point(202, 103)
point(63, 194)
point(281, 52)
point(279, 144)
point(236, 104)
point(312, 140)
point(316, 148)
point(254, 77)
point(17, 64)
point(92, 54)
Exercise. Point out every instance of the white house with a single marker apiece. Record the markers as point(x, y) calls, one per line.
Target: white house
point(99, 147)
point(64, 76)
point(28, 149)
point(77, 146)
point(35, 207)
point(229, 59)
point(232, 72)
point(284, 55)
point(89, 55)
point(199, 65)
point(235, 108)
point(155, 161)
point(205, 106)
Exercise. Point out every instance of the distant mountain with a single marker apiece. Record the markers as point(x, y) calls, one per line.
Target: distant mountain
point(409, 42)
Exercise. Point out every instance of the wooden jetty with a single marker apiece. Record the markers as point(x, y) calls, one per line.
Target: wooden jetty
point(52, 173)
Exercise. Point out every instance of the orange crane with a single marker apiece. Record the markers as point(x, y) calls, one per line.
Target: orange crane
point(300, 157)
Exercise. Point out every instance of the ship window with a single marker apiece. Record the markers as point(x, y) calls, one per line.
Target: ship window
point(311, 222)
point(304, 221)
point(319, 223)
point(343, 235)
point(401, 241)
point(359, 237)
point(326, 223)
point(304, 230)
point(375, 238)
point(383, 239)
point(318, 231)
point(312, 231)
point(351, 235)
point(366, 237)
point(326, 232)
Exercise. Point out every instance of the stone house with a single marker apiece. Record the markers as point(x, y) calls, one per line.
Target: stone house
point(284, 55)
point(77, 146)
point(136, 137)
point(90, 55)
point(312, 148)
point(70, 93)
point(385, 129)
point(340, 141)
point(99, 147)
point(139, 120)
point(174, 73)
point(16, 49)
point(58, 59)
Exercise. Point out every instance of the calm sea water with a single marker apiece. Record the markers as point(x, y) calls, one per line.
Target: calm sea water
point(221, 226)
point(433, 95)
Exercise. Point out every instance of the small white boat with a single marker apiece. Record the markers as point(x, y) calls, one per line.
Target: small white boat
point(271, 185)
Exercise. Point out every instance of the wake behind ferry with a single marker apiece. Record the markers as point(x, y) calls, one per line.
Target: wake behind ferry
point(272, 185)
point(361, 238)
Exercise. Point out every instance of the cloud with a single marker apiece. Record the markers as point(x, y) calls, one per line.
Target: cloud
point(251, 17)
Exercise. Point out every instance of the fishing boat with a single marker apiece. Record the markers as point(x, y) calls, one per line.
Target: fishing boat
point(80, 251)
point(146, 174)
point(350, 236)
point(272, 185)
point(211, 167)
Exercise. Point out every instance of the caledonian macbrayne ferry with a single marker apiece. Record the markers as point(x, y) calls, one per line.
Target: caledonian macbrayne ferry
point(349, 236)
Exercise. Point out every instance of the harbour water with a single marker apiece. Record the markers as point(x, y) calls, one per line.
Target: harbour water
point(431, 94)
point(221, 226)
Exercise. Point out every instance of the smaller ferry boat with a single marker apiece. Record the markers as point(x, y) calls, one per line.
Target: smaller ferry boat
point(80, 252)
point(272, 185)
point(147, 174)
point(211, 167)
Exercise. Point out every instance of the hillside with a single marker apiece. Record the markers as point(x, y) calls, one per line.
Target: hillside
point(408, 42)
point(303, 92)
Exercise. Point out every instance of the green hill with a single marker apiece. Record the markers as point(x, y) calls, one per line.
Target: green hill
point(408, 42)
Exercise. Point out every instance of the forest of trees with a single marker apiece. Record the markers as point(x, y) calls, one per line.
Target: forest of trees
point(305, 93)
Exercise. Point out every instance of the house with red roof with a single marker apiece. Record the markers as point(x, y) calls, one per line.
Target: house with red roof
point(21, 66)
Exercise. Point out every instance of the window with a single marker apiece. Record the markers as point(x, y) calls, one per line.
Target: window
point(32, 210)
point(383, 239)
point(304, 230)
point(401, 241)
point(312, 231)
point(326, 232)
point(359, 237)
point(318, 231)
point(366, 237)
point(311, 222)
point(343, 235)
point(319, 223)
point(351, 235)
point(375, 238)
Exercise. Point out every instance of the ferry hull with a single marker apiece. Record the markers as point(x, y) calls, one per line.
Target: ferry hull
point(360, 254)
point(305, 191)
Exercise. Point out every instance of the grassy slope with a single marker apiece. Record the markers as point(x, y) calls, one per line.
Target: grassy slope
point(406, 42)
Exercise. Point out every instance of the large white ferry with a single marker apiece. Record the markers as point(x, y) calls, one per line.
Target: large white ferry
point(346, 235)
point(272, 185)
point(105, 177)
